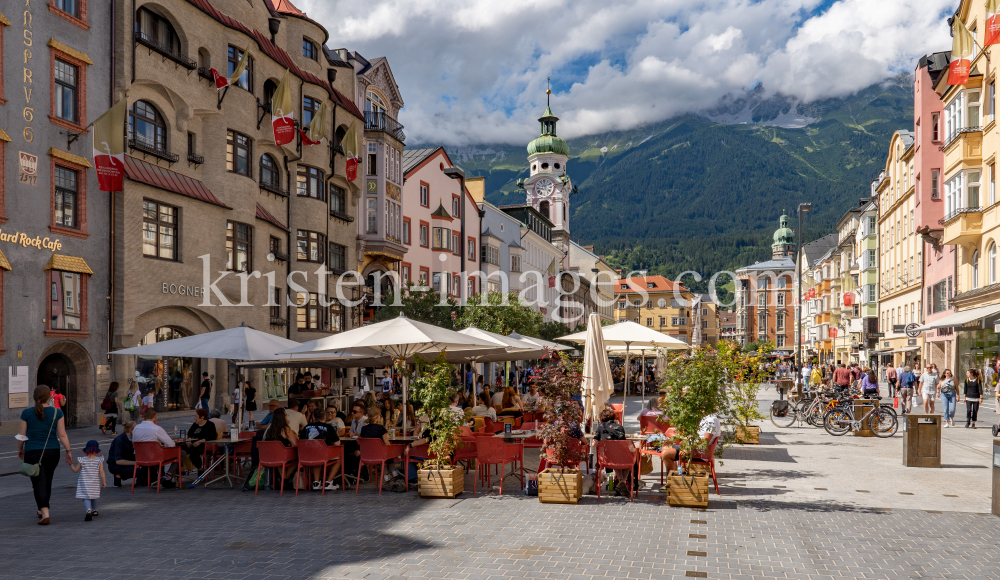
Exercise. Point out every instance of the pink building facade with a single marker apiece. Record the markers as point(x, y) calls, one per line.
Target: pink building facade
point(928, 163)
point(434, 209)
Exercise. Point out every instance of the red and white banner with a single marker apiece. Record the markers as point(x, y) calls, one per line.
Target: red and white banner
point(220, 81)
point(992, 24)
point(352, 150)
point(282, 108)
point(109, 148)
point(963, 45)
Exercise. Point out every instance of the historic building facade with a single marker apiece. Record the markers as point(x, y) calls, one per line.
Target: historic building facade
point(764, 301)
point(548, 186)
point(54, 247)
point(218, 226)
point(658, 303)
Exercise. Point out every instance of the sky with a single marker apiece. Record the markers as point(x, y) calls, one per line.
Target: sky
point(474, 71)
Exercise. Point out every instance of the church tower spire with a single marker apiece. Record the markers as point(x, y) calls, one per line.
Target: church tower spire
point(548, 187)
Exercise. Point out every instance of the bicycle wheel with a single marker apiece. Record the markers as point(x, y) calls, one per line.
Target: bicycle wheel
point(837, 421)
point(890, 410)
point(883, 423)
point(787, 420)
point(814, 415)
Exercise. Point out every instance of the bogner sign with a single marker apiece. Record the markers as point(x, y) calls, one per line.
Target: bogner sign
point(183, 290)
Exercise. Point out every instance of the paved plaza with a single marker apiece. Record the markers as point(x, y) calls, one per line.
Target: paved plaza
point(801, 504)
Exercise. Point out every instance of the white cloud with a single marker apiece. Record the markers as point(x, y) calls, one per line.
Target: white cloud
point(474, 71)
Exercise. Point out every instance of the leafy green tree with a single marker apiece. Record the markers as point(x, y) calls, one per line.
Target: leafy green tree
point(421, 305)
point(744, 376)
point(552, 330)
point(500, 313)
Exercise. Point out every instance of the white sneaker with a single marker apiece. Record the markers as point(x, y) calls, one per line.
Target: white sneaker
point(946, 425)
point(386, 477)
point(330, 486)
point(316, 486)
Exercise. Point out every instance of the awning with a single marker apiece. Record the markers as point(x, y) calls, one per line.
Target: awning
point(68, 264)
point(907, 349)
point(963, 317)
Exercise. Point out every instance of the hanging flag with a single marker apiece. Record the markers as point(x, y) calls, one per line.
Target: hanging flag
point(315, 132)
point(220, 81)
point(351, 151)
point(992, 24)
point(281, 113)
point(241, 66)
point(962, 48)
point(109, 147)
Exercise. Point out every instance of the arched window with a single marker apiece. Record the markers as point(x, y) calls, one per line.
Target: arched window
point(155, 29)
point(269, 88)
point(269, 174)
point(992, 266)
point(375, 104)
point(975, 270)
point(146, 129)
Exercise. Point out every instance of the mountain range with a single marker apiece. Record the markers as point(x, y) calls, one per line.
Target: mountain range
point(704, 192)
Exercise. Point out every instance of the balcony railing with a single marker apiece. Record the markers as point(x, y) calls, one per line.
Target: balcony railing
point(151, 148)
point(961, 132)
point(281, 256)
point(196, 159)
point(960, 211)
point(278, 321)
point(167, 51)
point(273, 188)
point(380, 121)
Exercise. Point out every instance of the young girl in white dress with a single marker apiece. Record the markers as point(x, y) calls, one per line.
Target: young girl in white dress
point(91, 470)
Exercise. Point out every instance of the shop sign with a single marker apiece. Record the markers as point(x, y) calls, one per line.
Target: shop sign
point(911, 342)
point(876, 335)
point(17, 387)
point(27, 168)
point(885, 344)
point(25, 240)
point(183, 290)
point(913, 330)
point(898, 328)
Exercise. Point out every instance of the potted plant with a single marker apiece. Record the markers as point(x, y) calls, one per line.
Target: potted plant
point(432, 389)
point(745, 374)
point(562, 437)
point(695, 390)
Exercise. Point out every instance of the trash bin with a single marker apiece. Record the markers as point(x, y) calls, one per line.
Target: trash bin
point(996, 477)
point(862, 406)
point(922, 440)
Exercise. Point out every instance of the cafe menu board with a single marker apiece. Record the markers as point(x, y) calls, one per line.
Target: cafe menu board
point(17, 387)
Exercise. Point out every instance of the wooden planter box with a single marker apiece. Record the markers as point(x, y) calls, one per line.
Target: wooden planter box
point(748, 435)
point(689, 491)
point(447, 482)
point(560, 486)
point(698, 469)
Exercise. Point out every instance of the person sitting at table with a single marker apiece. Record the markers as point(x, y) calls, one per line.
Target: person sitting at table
point(340, 414)
point(296, 388)
point(709, 429)
point(121, 457)
point(328, 434)
point(479, 383)
point(510, 404)
point(497, 399)
point(653, 405)
point(369, 400)
point(411, 471)
point(199, 432)
point(611, 430)
point(149, 431)
point(331, 418)
point(358, 418)
point(296, 420)
point(532, 398)
point(457, 408)
point(272, 406)
point(374, 429)
point(411, 417)
point(484, 409)
point(389, 411)
point(280, 430)
point(310, 407)
point(221, 429)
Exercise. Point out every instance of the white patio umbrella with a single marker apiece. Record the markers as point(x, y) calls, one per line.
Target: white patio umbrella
point(548, 344)
point(399, 338)
point(626, 333)
point(240, 345)
point(598, 384)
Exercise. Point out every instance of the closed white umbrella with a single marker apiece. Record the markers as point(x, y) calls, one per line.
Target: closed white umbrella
point(598, 383)
point(627, 333)
point(399, 338)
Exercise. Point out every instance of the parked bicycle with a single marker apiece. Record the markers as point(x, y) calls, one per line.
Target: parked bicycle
point(880, 419)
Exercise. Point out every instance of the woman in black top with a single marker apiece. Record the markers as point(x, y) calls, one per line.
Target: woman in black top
point(279, 430)
point(250, 400)
point(610, 430)
point(201, 430)
point(972, 395)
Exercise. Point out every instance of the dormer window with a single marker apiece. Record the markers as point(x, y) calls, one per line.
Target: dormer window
point(624, 286)
point(650, 285)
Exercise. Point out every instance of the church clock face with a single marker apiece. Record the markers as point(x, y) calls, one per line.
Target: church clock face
point(544, 187)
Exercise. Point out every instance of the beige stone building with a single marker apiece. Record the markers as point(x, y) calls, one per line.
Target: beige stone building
point(215, 218)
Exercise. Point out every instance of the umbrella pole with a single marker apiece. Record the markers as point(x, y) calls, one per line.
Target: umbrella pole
point(405, 389)
point(627, 373)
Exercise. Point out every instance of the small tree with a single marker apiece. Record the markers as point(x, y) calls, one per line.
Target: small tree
point(744, 374)
point(419, 305)
point(432, 388)
point(558, 384)
point(695, 389)
point(552, 330)
point(500, 313)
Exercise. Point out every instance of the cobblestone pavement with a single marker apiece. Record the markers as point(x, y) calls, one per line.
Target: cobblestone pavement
point(753, 530)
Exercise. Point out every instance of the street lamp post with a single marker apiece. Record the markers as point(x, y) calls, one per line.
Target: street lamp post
point(803, 208)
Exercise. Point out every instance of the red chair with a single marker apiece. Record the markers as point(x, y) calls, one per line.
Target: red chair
point(466, 431)
point(491, 427)
point(619, 412)
point(649, 424)
point(532, 442)
point(316, 453)
point(241, 451)
point(374, 452)
point(466, 451)
point(152, 454)
point(708, 457)
point(617, 455)
point(494, 451)
point(274, 454)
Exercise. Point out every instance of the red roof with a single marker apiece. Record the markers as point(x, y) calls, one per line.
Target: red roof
point(264, 43)
point(660, 284)
point(138, 170)
point(263, 214)
point(285, 7)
